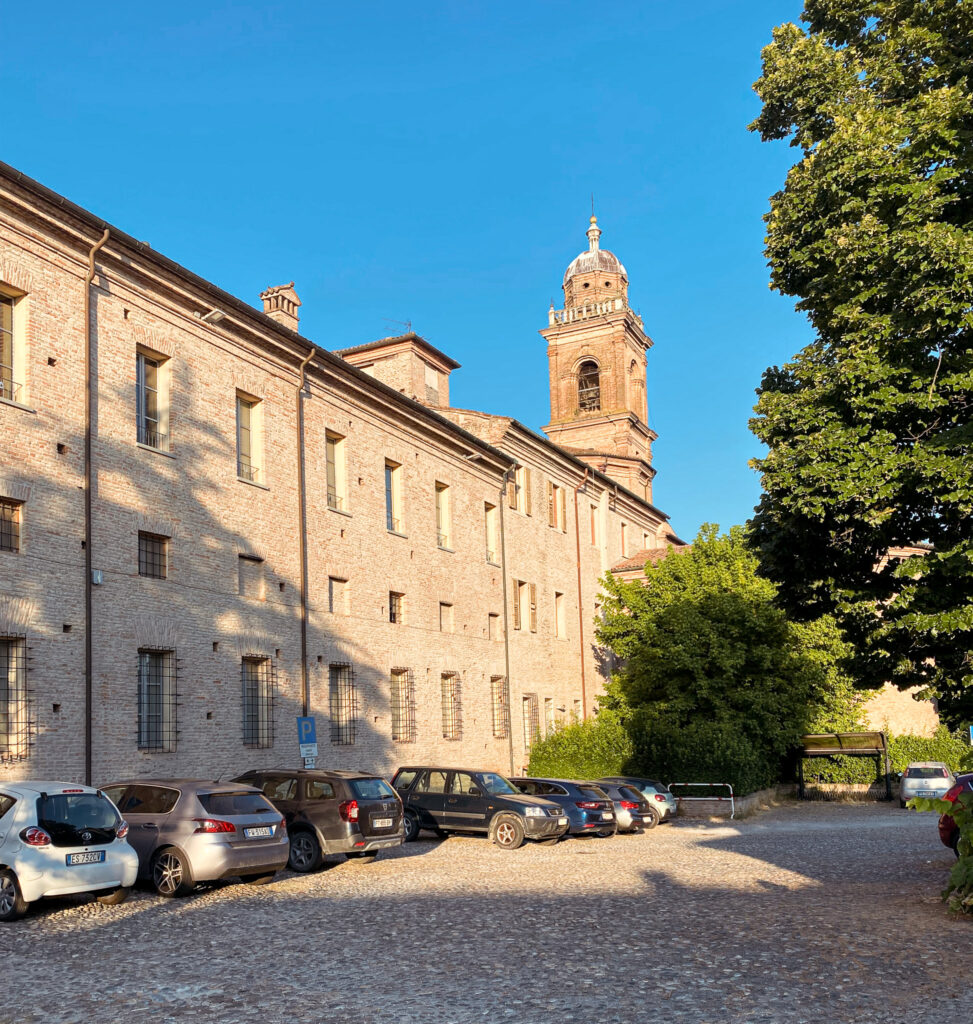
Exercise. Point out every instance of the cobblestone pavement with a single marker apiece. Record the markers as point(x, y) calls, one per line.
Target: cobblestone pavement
point(806, 913)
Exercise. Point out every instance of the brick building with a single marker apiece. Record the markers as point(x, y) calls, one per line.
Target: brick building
point(210, 525)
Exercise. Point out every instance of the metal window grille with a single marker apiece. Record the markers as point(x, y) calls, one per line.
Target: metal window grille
point(9, 525)
point(532, 719)
point(452, 706)
point(342, 704)
point(402, 686)
point(258, 702)
point(157, 700)
point(501, 707)
point(395, 607)
point(14, 705)
point(589, 389)
point(153, 555)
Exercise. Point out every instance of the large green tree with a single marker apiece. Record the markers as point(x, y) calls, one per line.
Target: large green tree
point(869, 428)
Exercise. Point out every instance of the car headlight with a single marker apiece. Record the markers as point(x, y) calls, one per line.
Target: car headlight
point(535, 812)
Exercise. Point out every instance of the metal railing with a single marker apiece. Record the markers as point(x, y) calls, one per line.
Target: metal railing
point(335, 500)
point(10, 389)
point(707, 785)
point(152, 438)
point(247, 472)
point(442, 539)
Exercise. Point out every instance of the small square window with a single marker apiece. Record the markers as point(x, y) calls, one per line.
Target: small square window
point(153, 556)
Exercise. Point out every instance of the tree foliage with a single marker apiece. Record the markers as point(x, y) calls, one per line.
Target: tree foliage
point(869, 428)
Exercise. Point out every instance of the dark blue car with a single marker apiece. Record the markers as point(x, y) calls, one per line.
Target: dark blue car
point(589, 809)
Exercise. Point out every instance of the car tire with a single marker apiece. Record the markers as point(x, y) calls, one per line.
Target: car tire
point(114, 897)
point(508, 833)
point(410, 823)
point(12, 903)
point(258, 879)
point(305, 852)
point(654, 820)
point(170, 873)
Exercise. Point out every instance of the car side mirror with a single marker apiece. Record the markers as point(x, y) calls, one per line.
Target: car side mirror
point(474, 791)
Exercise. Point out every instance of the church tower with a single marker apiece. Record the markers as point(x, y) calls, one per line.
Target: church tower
point(596, 350)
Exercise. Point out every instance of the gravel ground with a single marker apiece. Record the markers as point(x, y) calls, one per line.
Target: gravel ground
point(805, 913)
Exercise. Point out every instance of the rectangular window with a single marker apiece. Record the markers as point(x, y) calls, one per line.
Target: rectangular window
point(151, 400)
point(258, 702)
point(519, 596)
point(550, 722)
point(443, 538)
point(247, 437)
point(395, 607)
point(445, 617)
point(342, 704)
point(10, 525)
point(403, 697)
point(576, 713)
point(14, 719)
point(624, 541)
point(556, 507)
point(452, 719)
point(501, 707)
point(393, 496)
point(153, 556)
point(594, 524)
point(532, 596)
point(532, 719)
point(493, 626)
point(490, 529)
point(334, 445)
point(250, 577)
point(157, 700)
point(559, 623)
point(337, 596)
point(519, 491)
point(11, 351)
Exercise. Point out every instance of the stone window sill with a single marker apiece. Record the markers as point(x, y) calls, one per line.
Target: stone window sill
point(155, 451)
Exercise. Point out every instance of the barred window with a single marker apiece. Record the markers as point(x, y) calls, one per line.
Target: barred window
point(501, 707)
point(342, 704)
point(532, 719)
point(9, 525)
point(395, 607)
point(258, 702)
point(14, 717)
point(452, 708)
point(402, 687)
point(157, 700)
point(153, 555)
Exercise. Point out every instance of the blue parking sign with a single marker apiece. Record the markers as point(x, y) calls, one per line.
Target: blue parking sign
point(307, 736)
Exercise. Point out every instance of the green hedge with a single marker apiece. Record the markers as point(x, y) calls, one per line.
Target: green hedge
point(584, 750)
point(943, 746)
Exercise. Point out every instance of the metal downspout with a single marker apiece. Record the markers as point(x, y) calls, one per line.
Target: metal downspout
point(88, 648)
point(506, 629)
point(302, 534)
point(577, 540)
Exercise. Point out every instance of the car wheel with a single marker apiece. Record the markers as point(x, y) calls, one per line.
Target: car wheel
point(170, 874)
point(605, 835)
point(12, 904)
point(411, 825)
point(116, 896)
point(508, 833)
point(258, 879)
point(654, 819)
point(305, 852)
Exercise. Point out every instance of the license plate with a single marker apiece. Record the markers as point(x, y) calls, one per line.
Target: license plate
point(562, 821)
point(646, 817)
point(607, 816)
point(925, 792)
point(382, 822)
point(95, 857)
point(262, 832)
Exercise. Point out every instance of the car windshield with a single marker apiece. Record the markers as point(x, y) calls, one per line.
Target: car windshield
point(926, 772)
point(497, 785)
point(242, 802)
point(371, 789)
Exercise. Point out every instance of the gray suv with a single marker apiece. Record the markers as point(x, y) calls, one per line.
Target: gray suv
point(188, 831)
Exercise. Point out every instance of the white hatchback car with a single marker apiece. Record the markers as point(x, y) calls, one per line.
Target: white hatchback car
point(58, 838)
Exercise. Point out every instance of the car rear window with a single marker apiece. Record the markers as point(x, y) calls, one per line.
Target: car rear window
point(591, 791)
point(926, 773)
point(235, 803)
point(64, 816)
point(371, 789)
point(630, 793)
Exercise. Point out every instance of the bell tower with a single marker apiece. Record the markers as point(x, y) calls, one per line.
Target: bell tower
point(596, 350)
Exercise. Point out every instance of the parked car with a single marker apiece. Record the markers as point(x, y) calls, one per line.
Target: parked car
point(948, 829)
point(632, 810)
point(925, 778)
point(57, 838)
point(464, 800)
point(589, 810)
point(331, 812)
point(663, 804)
point(188, 831)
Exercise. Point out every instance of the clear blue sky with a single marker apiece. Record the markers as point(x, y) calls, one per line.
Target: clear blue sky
point(432, 163)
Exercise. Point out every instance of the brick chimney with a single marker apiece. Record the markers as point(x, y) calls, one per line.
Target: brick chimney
point(281, 303)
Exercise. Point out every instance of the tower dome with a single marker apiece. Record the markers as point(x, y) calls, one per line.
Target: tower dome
point(595, 260)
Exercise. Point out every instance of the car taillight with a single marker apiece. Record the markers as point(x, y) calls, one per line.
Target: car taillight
point(213, 825)
point(122, 831)
point(589, 805)
point(35, 836)
point(660, 798)
point(282, 827)
point(629, 805)
point(348, 810)
point(952, 794)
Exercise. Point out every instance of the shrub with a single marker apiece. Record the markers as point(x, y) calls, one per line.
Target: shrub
point(584, 750)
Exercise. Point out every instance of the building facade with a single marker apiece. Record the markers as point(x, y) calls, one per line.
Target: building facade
point(210, 525)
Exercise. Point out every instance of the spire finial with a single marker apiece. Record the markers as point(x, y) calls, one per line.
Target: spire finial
point(594, 233)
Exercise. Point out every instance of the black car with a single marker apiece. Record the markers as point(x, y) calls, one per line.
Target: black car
point(589, 809)
point(464, 800)
point(353, 813)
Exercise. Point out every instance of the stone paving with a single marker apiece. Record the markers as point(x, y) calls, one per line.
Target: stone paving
point(803, 914)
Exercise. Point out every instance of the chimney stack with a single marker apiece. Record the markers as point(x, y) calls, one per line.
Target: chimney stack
point(281, 303)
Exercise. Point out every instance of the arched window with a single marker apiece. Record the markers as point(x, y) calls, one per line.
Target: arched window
point(589, 389)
